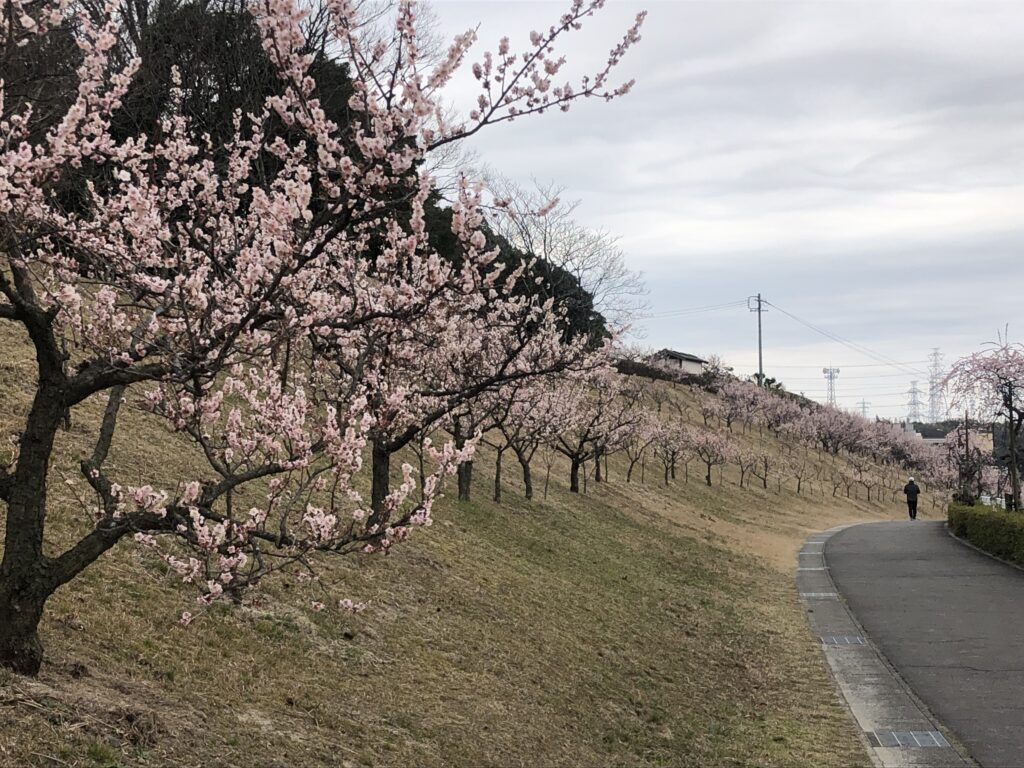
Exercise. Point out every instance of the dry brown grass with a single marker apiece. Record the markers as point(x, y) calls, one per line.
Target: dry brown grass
point(636, 625)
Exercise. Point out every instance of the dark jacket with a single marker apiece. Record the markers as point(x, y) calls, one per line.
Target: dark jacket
point(912, 491)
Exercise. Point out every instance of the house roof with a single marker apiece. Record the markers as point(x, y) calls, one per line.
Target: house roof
point(673, 355)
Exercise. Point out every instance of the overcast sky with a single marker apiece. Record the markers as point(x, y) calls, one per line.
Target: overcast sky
point(858, 163)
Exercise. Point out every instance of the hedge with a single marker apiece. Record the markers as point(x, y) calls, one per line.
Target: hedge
point(996, 531)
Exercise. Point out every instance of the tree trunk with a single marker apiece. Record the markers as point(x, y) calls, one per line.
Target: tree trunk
point(25, 580)
point(574, 476)
point(464, 475)
point(597, 465)
point(497, 475)
point(524, 463)
point(380, 476)
point(707, 478)
point(22, 598)
point(666, 475)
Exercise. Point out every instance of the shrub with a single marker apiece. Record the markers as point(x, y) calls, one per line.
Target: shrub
point(996, 531)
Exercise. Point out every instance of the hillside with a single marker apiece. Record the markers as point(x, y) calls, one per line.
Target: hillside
point(637, 624)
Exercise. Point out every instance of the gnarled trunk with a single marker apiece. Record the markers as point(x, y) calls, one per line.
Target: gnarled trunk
point(25, 579)
point(574, 476)
point(22, 596)
point(524, 463)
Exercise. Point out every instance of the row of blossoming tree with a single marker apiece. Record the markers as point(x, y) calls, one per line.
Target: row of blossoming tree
point(270, 287)
point(587, 419)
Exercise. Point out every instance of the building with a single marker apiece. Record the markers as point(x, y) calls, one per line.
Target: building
point(679, 361)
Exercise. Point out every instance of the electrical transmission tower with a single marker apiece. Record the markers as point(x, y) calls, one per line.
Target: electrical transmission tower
point(830, 379)
point(914, 404)
point(936, 392)
point(864, 408)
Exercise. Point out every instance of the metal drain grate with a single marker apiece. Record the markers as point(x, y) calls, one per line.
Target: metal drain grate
point(907, 739)
point(820, 595)
point(807, 568)
point(842, 640)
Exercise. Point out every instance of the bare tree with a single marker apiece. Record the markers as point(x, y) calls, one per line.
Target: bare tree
point(538, 221)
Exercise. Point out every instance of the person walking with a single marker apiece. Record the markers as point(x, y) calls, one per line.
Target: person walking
point(912, 492)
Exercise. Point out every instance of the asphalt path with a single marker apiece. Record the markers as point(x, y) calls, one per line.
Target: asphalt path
point(949, 619)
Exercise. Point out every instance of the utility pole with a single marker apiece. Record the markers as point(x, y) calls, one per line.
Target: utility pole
point(831, 374)
point(864, 408)
point(936, 392)
point(759, 308)
point(914, 404)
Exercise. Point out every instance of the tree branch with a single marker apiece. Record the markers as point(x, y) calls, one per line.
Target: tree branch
point(105, 535)
point(106, 435)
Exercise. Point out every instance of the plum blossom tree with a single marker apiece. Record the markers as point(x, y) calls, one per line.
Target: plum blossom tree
point(765, 465)
point(740, 401)
point(602, 411)
point(864, 473)
point(748, 461)
point(273, 318)
point(710, 409)
point(965, 457)
point(777, 411)
point(712, 448)
point(671, 442)
point(535, 414)
point(993, 380)
point(799, 467)
point(639, 441)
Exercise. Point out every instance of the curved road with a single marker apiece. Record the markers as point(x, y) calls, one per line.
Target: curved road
point(949, 619)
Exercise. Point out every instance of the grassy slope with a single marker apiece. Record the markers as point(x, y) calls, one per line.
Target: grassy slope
point(637, 625)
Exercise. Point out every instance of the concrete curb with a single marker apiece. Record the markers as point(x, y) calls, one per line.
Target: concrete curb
point(896, 728)
point(984, 552)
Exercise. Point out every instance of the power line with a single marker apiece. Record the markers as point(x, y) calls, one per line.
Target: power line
point(852, 378)
point(859, 348)
point(902, 393)
point(845, 365)
point(694, 310)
